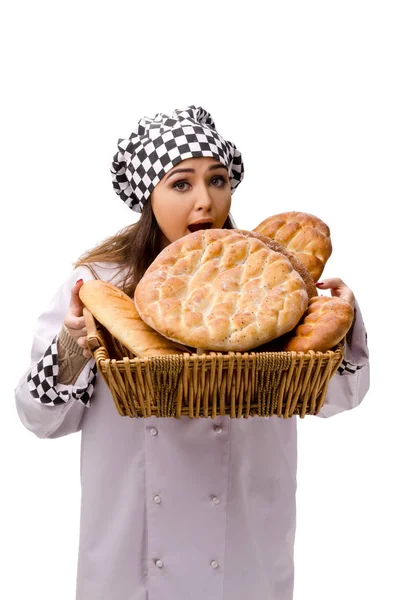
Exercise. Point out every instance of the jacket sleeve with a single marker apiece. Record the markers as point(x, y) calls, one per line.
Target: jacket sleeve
point(349, 385)
point(47, 408)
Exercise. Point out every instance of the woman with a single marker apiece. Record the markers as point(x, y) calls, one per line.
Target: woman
point(190, 508)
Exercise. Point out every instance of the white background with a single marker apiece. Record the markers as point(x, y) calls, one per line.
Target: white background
point(307, 92)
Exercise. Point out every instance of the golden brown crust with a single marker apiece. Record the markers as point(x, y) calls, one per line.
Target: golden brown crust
point(116, 311)
point(296, 263)
point(325, 323)
point(221, 290)
point(304, 235)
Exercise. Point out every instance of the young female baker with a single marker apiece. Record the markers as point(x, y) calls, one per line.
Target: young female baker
point(172, 509)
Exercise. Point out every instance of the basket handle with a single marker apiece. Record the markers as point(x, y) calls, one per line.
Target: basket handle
point(94, 339)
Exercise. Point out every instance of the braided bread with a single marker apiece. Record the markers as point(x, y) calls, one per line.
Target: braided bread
point(325, 323)
point(302, 234)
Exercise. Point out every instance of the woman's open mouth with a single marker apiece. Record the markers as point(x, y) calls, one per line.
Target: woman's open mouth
point(200, 225)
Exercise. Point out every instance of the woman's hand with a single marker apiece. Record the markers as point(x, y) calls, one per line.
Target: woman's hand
point(338, 288)
point(75, 321)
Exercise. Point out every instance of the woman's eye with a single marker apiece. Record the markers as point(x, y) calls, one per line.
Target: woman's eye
point(181, 185)
point(218, 181)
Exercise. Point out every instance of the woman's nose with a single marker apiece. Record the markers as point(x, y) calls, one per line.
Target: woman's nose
point(203, 198)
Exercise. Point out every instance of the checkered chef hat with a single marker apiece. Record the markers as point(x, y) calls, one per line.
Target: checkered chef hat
point(159, 144)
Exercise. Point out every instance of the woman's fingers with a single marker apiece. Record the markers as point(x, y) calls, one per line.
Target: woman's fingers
point(75, 320)
point(82, 341)
point(76, 306)
point(338, 288)
point(76, 323)
point(331, 282)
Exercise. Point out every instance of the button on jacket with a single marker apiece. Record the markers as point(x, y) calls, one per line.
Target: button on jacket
point(192, 508)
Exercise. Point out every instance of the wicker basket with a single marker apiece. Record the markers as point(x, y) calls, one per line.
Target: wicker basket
point(266, 384)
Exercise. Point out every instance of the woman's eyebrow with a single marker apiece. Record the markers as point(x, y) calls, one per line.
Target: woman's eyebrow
point(211, 168)
point(180, 171)
point(217, 166)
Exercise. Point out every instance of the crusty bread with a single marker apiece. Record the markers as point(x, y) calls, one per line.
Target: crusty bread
point(325, 323)
point(221, 290)
point(295, 262)
point(302, 234)
point(116, 311)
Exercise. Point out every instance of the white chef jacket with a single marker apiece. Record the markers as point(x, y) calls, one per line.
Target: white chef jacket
point(189, 509)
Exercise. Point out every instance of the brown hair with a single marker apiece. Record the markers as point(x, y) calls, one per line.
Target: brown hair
point(133, 248)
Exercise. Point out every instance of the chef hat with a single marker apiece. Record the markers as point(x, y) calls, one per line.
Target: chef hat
point(158, 144)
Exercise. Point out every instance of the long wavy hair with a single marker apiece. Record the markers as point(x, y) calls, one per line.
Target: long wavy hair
point(133, 248)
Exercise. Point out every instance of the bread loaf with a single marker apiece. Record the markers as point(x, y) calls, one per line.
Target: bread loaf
point(219, 289)
point(116, 311)
point(325, 323)
point(302, 234)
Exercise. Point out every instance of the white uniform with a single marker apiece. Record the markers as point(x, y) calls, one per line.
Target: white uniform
point(190, 509)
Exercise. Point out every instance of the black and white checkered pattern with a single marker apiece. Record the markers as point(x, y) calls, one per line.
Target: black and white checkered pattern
point(348, 367)
point(42, 381)
point(160, 143)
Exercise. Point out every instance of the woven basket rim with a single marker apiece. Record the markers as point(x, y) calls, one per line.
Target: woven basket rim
point(239, 384)
point(209, 356)
point(97, 343)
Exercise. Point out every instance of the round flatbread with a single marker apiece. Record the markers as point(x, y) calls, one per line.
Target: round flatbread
point(296, 263)
point(221, 290)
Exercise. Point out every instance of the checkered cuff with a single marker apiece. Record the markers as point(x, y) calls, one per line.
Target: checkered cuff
point(348, 367)
point(42, 381)
point(355, 347)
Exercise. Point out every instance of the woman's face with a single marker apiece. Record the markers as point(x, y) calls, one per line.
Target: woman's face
point(195, 194)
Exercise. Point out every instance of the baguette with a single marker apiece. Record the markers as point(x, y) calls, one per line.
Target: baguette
point(116, 311)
